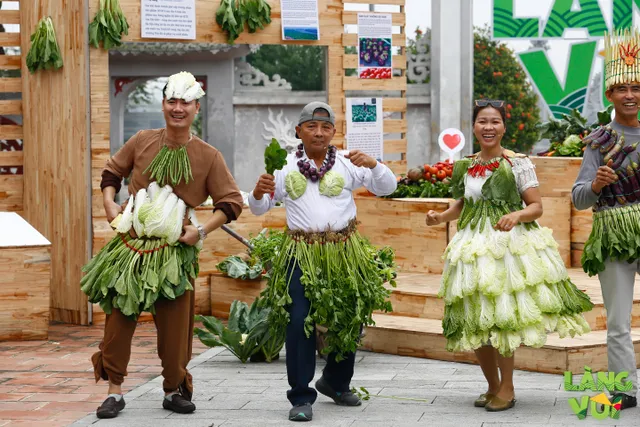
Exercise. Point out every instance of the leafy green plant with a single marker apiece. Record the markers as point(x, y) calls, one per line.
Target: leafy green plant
point(232, 15)
point(566, 135)
point(108, 25)
point(44, 53)
point(258, 261)
point(247, 332)
point(275, 157)
point(421, 189)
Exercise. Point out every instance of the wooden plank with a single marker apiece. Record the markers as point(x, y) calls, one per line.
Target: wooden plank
point(400, 224)
point(208, 31)
point(24, 293)
point(351, 18)
point(399, 167)
point(11, 193)
point(10, 16)
point(10, 62)
point(394, 125)
point(352, 40)
point(11, 158)
point(11, 107)
point(556, 174)
point(398, 62)
point(11, 132)
point(557, 216)
point(10, 84)
point(389, 2)
point(55, 164)
point(225, 290)
point(395, 146)
point(10, 39)
point(355, 83)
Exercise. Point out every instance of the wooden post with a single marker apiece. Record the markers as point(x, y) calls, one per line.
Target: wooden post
point(56, 151)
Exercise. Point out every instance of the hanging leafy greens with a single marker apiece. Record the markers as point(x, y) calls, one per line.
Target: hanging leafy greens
point(44, 53)
point(108, 25)
point(232, 15)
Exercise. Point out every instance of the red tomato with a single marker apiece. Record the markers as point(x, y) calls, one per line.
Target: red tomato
point(433, 170)
point(441, 175)
point(427, 176)
point(449, 171)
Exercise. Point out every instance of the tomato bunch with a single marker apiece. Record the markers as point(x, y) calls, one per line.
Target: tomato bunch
point(376, 73)
point(440, 171)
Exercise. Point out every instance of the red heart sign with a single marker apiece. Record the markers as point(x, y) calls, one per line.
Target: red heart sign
point(451, 141)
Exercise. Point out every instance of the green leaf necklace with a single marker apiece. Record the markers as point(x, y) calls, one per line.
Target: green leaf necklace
point(171, 166)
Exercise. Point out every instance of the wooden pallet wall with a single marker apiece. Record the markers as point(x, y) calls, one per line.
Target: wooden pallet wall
point(56, 155)
point(395, 104)
point(11, 185)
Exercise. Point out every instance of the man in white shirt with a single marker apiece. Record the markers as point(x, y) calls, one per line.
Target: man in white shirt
point(316, 187)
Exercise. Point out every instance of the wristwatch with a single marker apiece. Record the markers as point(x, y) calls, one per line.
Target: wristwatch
point(201, 232)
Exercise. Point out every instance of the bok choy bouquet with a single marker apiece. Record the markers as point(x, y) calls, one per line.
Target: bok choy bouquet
point(130, 274)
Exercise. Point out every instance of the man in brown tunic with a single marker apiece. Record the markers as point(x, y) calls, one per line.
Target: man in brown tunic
point(173, 319)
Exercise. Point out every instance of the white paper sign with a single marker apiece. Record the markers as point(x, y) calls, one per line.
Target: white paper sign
point(374, 46)
point(364, 126)
point(300, 20)
point(168, 19)
point(451, 141)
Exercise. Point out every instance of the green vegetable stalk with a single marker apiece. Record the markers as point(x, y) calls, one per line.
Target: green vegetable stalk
point(615, 235)
point(170, 166)
point(108, 25)
point(343, 276)
point(44, 53)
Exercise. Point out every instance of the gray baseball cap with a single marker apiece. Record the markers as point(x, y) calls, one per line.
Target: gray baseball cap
point(308, 113)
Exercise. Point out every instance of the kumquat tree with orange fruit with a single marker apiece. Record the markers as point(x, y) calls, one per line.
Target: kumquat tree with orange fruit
point(498, 75)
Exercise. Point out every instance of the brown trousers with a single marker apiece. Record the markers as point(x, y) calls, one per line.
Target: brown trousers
point(174, 324)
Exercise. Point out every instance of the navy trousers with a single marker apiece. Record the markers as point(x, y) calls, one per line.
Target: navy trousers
point(301, 352)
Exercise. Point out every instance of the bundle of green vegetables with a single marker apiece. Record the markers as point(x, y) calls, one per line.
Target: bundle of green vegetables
point(232, 15)
point(343, 276)
point(44, 53)
point(108, 25)
point(130, 274)
point(615, 235)
point(255, 264)
point(247, 334)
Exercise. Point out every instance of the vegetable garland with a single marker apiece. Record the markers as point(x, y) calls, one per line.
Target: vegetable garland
point(44, 53)
point(170, 165)
point(108, 25)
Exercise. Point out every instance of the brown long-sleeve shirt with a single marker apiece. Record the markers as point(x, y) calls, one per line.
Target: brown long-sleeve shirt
point(211, 176)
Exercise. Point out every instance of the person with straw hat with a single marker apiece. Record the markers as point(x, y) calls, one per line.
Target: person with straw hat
point(608, 182)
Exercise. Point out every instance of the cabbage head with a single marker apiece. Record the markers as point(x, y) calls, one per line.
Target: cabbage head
point(331, 184)
point(296, 184)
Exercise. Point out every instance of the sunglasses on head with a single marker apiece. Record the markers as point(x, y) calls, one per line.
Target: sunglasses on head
point(493, 103)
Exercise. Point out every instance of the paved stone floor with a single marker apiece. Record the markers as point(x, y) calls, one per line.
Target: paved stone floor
point(231, 394)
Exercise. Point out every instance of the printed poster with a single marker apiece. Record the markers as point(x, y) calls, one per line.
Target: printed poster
point(300, 20)
point(364, 126)
point(374, 46)
point(168, 19)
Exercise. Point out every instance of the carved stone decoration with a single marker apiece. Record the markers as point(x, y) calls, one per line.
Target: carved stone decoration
point(283, 130)
point(249, 77)
point(419, 64)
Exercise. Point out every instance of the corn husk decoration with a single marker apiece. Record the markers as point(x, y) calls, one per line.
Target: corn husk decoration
point(622, 57)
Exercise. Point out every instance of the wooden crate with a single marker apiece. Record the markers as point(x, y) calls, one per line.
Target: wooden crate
point(556, 174)
point(225, 290)
point(400, 223)
point(25, 279)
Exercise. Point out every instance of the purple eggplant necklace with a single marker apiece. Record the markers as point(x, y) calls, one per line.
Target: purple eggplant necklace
point(315, 175)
